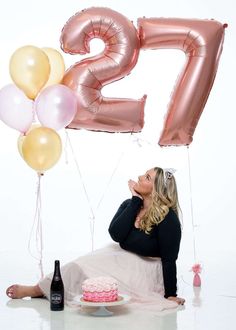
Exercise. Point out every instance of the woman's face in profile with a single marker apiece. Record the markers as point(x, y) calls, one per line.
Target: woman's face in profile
point(145, 183)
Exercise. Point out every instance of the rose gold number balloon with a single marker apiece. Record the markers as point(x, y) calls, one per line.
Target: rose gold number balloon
point(202, 42)
point(89, 76)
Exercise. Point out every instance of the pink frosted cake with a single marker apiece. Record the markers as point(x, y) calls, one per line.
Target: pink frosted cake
point(100, 289)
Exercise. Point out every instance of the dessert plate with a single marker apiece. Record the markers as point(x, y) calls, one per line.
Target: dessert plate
point(102, 310)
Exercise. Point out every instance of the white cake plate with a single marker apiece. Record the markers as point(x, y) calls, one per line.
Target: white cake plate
point(102, 310)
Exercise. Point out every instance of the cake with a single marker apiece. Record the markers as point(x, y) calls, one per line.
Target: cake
point(100, 289)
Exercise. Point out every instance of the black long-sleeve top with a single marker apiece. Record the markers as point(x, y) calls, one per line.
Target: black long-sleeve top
point(163, 241)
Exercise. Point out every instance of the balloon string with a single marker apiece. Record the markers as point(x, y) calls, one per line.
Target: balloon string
point(113, 173)
point(92, 217)
point(38, 230)
point(191, 204)
point(92, 227)
point(92, 220)
point(68, 141)
point(140, 141)
point(66, 147)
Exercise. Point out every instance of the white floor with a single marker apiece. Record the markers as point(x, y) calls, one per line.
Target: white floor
point(213, 306)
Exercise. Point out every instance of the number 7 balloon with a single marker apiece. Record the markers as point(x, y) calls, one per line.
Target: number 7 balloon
point(89, 76)
point(202, 42)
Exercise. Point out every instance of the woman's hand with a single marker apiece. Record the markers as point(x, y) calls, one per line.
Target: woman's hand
point(131, 184)
point(178, 300)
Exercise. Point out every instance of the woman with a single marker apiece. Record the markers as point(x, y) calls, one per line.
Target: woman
point(147, 229)
point(148, 224)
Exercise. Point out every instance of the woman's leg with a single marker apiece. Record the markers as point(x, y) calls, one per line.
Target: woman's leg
point(17, 291)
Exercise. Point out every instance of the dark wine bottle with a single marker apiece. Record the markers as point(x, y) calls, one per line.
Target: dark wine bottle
point(57, 289)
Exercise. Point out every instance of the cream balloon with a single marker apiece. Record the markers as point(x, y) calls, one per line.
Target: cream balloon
point(29, 69)
point(21, 138)
point(42, 148)
point(57, 65)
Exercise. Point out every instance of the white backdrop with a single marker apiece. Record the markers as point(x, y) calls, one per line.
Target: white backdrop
point(106, 160)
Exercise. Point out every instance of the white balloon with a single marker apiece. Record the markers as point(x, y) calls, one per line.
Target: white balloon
point(16, 109)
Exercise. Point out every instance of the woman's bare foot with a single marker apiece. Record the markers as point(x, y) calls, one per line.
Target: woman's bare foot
point(178, 300)
point(17, 291)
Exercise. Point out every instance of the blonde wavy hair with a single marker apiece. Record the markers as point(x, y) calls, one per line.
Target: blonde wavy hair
point(164, 197)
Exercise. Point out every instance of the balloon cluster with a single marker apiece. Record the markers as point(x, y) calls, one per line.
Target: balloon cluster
point(37, 92)
point(73, 98)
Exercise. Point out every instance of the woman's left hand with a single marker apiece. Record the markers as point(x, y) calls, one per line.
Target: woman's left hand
point(131, 185)
point(178, 300)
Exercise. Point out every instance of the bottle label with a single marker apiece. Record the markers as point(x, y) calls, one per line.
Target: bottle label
point(56, 298)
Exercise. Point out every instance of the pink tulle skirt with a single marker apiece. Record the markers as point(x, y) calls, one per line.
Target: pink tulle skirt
point(139, 277)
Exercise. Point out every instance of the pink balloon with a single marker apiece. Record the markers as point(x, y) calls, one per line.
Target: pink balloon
point(16, 110)
point(56, 106)
point(89, 76)
point(202, 42)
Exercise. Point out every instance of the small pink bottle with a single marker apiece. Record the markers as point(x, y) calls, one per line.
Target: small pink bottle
point(196, 280)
